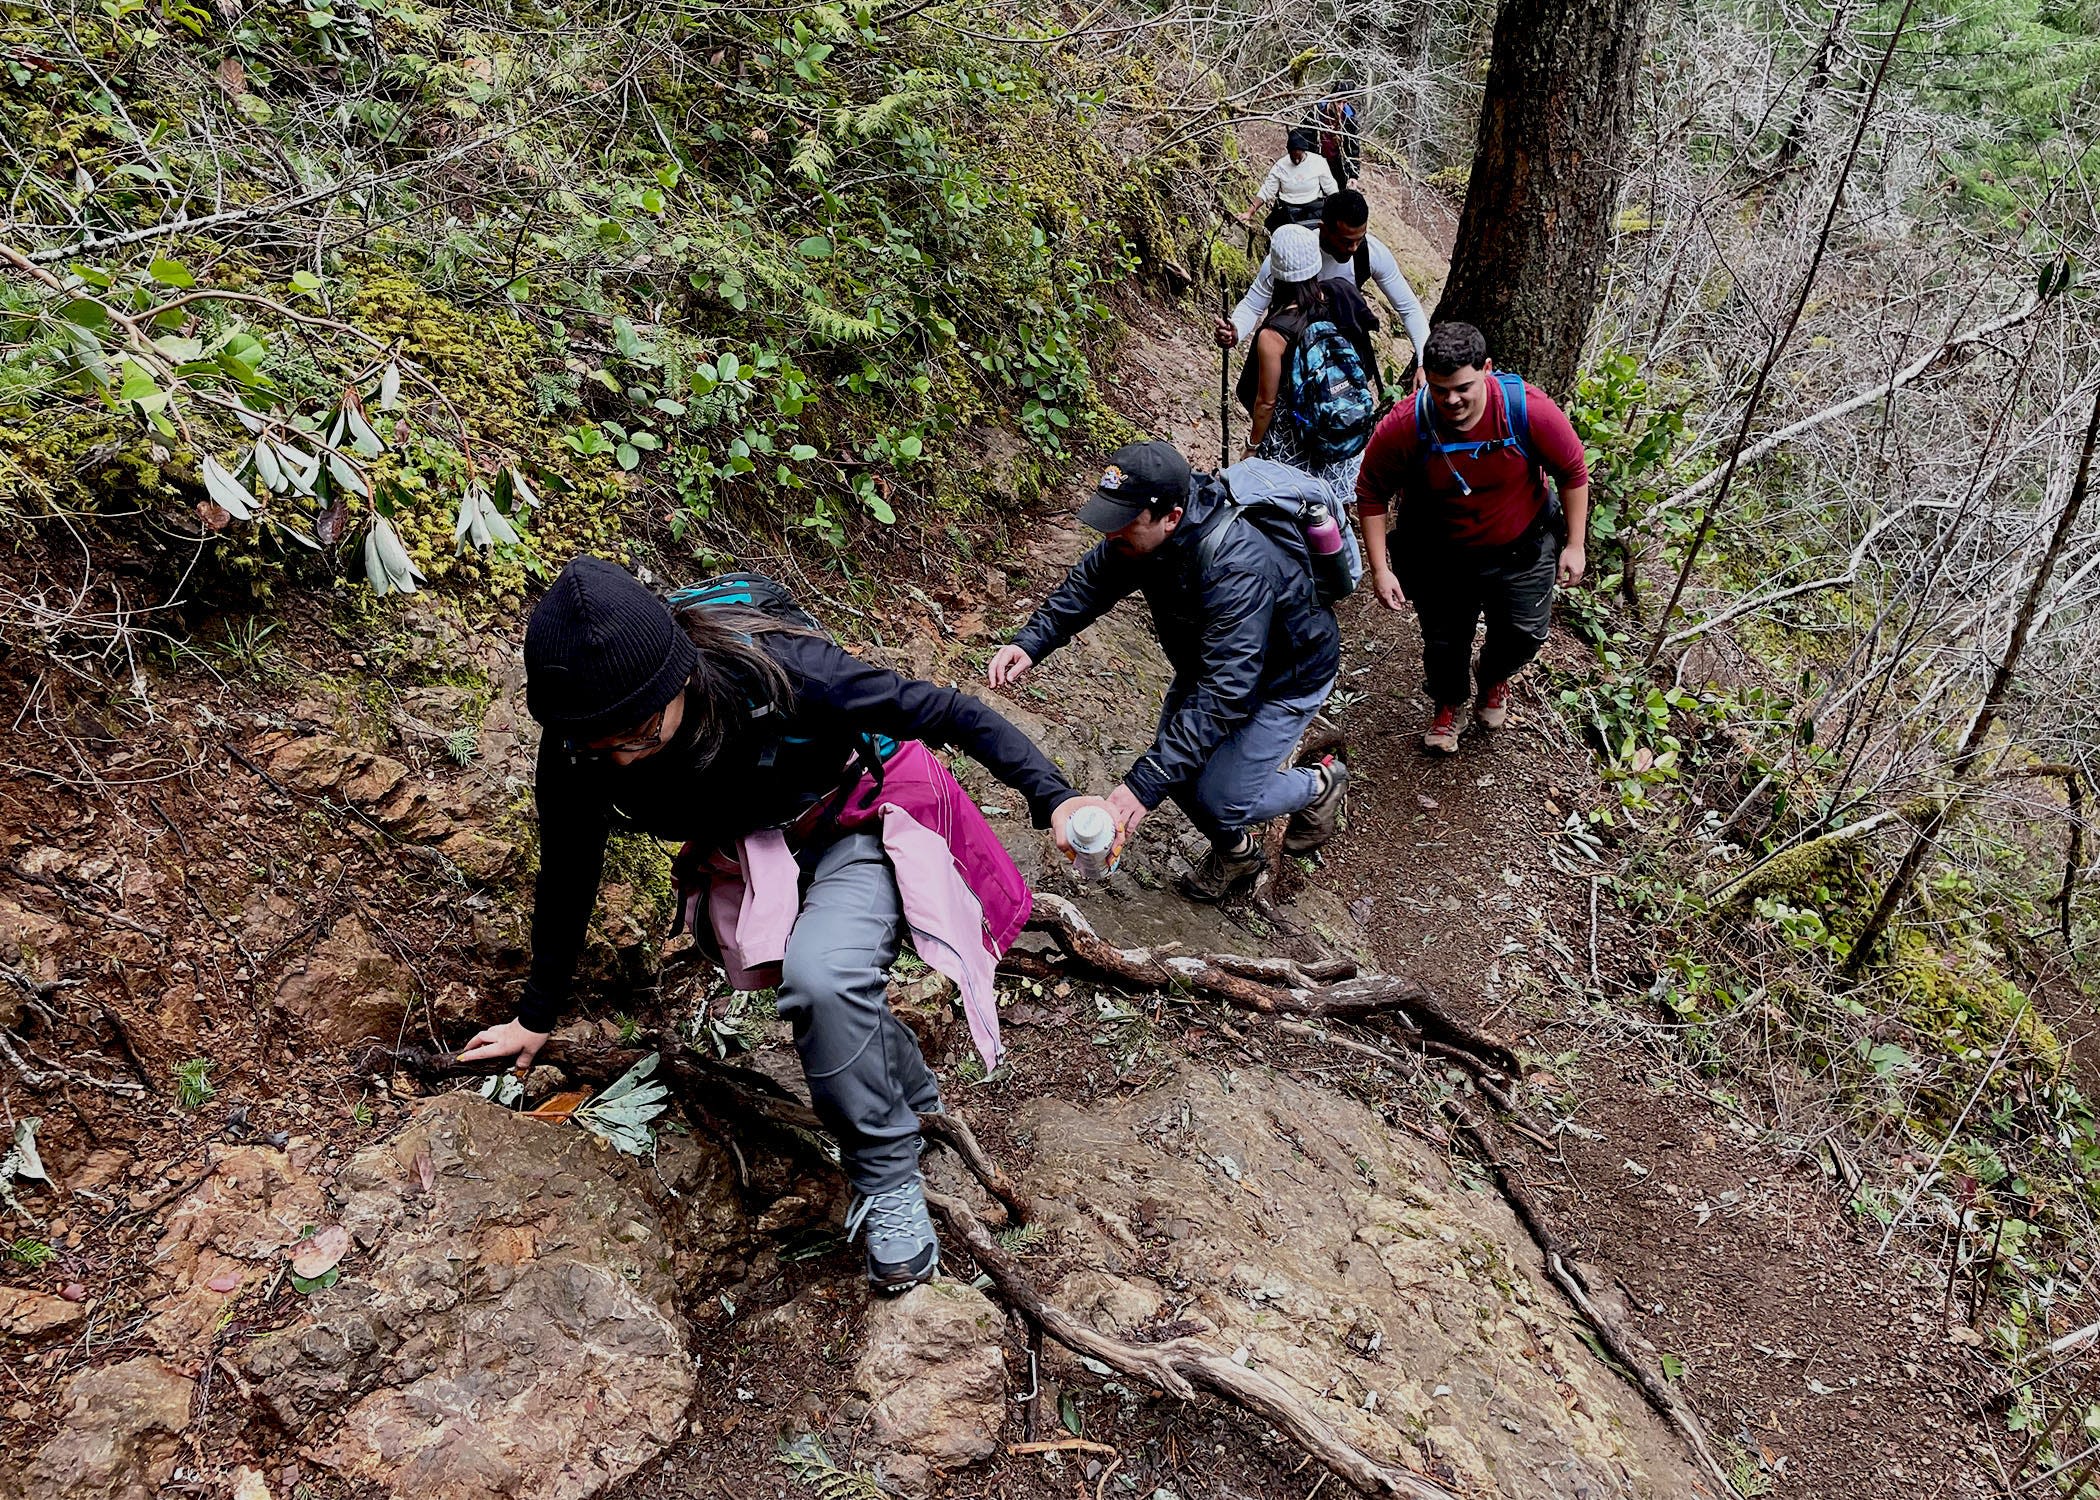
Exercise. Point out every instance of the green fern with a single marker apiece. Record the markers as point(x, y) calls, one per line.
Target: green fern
point(1023, 1238)
point(837, 327)
point(807, 1461)
point(812, 159)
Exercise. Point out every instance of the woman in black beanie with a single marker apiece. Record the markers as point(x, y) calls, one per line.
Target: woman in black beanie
point(715, 726)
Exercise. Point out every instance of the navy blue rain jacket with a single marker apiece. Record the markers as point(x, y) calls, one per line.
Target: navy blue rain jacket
point(1243, 631)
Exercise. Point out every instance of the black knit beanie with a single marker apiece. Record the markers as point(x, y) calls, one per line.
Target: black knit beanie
point(602, 653)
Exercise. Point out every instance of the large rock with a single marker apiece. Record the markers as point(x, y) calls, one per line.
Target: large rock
point(348, 988)
point(508, 1325)
point(436, 814)
point(227, 1237)
point(1289, 1227)
point(934, 1374)
point(117, 1434)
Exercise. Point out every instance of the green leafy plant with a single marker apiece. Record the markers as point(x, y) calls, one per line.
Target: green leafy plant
point(806, 1459)
point(620, 1115)
point(193, 1085)
point(31, 1252)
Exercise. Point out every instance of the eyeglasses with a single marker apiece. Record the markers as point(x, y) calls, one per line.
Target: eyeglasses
point(645, 736)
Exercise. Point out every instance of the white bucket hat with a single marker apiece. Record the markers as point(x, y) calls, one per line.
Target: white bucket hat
point(1294, 253)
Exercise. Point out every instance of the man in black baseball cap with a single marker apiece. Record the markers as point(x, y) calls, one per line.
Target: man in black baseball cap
point(1254, 653)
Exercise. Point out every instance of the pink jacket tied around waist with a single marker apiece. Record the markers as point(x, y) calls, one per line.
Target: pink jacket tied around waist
point(963, 897)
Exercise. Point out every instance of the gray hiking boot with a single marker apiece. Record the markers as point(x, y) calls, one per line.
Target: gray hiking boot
point(1320, 819)
point(1222, 869)
point(902, 1248)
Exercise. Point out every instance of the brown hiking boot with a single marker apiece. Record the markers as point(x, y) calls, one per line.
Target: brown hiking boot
point(1491, 708)
point(1320, 819)
point(1222, 869)
point(1441, 737)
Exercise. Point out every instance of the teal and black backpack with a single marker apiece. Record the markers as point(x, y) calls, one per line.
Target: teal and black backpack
point(1327, 394)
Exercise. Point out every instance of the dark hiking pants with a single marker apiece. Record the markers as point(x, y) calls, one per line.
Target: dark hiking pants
point(866, 1077)
point(1452, 589)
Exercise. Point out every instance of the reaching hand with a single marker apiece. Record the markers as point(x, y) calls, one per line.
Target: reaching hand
point(1387, 587)
point(1574, 562)
point(1226, 334)
point(1421, 375)
point(512, 1039)
point(1129, 812)
point(1008, 666)
point(1061, 816)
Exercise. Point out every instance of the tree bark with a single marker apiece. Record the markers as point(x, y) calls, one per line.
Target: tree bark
point(1545, 182)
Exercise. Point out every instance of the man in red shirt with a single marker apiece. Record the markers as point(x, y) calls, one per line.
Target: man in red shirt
point(1473, 528)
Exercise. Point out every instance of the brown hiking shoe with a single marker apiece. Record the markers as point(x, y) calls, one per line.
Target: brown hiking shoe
point(1320, 819)
point(1441, 737)
point(1491, 709)
point(1215, 877)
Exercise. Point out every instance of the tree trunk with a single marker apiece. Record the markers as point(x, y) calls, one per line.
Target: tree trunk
point(1545, 181)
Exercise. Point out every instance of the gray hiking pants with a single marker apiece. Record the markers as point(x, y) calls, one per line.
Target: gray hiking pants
point(866, 1077)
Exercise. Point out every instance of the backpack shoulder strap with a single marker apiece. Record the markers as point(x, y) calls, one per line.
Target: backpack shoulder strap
point(1221, 524)
point(1516, 409)
point(1425, 428)
point(1363, 261)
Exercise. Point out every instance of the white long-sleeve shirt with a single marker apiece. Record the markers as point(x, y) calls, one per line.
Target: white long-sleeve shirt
point(1384, 270)
point(1300, 183)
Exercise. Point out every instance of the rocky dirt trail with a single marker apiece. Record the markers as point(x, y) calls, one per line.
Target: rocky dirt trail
point(261, 1266)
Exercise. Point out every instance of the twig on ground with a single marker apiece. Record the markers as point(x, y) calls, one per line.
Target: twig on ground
point(1352, 999)
point(1560, 1266)
point(1181, 1367)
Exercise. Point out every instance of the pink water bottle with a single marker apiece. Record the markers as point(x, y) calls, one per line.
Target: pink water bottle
point(1323, 535)
point(1330, 559)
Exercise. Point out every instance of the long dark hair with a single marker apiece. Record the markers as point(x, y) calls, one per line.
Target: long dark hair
point(1309, 296)
point(735, 679)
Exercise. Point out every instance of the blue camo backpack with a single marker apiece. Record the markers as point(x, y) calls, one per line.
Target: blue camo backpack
point(1327, 393)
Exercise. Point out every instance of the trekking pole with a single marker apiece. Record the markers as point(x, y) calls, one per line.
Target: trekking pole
point(1225, 391)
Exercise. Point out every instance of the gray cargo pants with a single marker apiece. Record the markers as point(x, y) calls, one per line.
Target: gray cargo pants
point(867, 1079)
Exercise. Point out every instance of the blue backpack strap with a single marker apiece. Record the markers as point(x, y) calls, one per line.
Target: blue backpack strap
point(1425, 433)
point(1516, 409)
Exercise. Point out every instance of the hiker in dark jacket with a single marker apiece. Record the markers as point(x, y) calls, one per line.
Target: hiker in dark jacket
point(721, 726)
point(1254, 656)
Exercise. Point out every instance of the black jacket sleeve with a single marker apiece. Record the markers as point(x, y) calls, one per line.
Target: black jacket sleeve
point(573, 831)
point(836, 690)
point(1089, 591)
point(1237, 604)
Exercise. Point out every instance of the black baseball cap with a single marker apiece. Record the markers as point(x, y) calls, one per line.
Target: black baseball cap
point(1138, 478)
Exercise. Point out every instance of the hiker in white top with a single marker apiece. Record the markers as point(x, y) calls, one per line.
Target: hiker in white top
point(1297, 184)
point(1350, 251)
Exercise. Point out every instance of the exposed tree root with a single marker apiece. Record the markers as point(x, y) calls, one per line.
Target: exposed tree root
point(1181, 1367)
point(1233, 980)
point(720, 1089)
point(1560, 1265)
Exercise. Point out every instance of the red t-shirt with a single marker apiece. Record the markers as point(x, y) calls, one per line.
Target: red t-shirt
point(1507, 489)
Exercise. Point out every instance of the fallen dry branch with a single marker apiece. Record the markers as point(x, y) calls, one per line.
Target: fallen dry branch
point(1181, 1367)
point(1360, 999)
point(1560, 1266)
